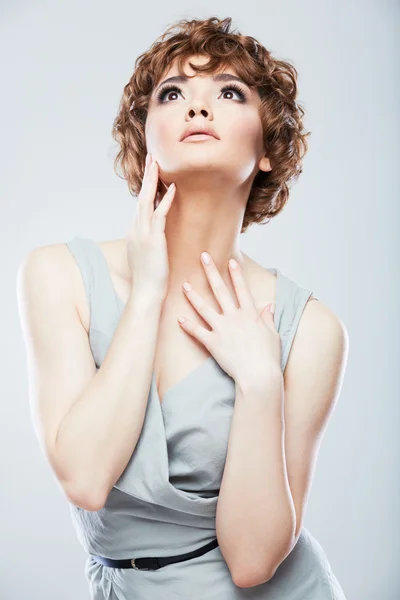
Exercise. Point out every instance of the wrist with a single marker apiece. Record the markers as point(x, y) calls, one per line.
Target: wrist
point(254, 381)
point(144, 299)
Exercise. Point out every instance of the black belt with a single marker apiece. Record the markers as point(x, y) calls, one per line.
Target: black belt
point(150, 563)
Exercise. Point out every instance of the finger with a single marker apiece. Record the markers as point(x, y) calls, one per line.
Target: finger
point(243, 293)
point(157, 200)
point(142, 215)
point(148, 191)
point(206, 311)
point(268, 315)
point(147, 166)
point(218, 285)
point(197, 331)
point(160, 214)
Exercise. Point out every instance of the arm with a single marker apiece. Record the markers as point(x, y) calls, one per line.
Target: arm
point(255, 512)
point(266, 483)
point(87, 422)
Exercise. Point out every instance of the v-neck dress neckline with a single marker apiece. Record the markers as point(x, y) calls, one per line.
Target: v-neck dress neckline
point(204, 364)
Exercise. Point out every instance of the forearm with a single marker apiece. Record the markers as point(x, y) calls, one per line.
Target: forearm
point(255, 512)
point(99, 434)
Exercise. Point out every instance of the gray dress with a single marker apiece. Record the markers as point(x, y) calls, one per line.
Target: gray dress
point(164, 502)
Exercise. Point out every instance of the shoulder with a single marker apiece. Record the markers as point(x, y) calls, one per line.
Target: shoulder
point(46, 264)
point(49, 274)
point(52, 270)
point(322, 327)
point(320, 333)
point(318, 356)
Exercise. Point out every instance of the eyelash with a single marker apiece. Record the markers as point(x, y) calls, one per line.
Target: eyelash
point(169, 87)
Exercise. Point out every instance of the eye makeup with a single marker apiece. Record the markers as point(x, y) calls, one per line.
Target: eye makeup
point(168, 88)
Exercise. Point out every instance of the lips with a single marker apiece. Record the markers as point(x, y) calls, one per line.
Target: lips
point(205, 131)
point(198, 133)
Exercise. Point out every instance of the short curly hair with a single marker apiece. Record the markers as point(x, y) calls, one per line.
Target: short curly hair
point(281, 116)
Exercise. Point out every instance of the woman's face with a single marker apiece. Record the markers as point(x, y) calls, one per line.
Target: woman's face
point(201, 101)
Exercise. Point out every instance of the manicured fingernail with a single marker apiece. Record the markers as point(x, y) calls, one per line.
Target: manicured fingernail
point(187, 286)
point(233, 263)
point(205, 257)
point(147, 159)
point(272, 308)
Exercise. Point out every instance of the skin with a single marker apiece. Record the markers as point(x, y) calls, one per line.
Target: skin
point(213, 180)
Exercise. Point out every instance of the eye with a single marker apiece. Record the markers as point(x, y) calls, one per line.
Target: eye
point(167, 89)
point(235, 88)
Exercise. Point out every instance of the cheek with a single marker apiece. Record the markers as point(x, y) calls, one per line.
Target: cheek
point(243, 146)
point(161, 133)
point(248, 133)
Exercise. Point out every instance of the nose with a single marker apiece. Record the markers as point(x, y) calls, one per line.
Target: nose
point(202, 111)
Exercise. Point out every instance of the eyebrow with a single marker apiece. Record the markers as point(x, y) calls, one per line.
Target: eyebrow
point(219, 77)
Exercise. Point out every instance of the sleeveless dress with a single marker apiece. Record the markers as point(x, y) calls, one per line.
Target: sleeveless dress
point(164, 502)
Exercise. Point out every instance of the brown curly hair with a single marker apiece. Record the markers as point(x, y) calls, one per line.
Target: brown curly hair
point(281, 116)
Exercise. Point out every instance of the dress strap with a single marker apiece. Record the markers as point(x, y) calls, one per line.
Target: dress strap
point(291, 299)
point(97, 282)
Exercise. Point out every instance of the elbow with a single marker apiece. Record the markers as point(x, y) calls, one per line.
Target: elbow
point(247, 577)
point(247, 580)
point(261, 573)
point(85, 500)
point(79, 490)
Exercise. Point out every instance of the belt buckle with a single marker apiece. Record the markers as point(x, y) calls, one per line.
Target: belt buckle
point(136, 567)
point(153, 564)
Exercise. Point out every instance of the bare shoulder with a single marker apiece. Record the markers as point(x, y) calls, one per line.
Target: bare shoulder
point(320, 346)
point(48, 265)
point(322, 322)
point(320, 334)
point(50, 268)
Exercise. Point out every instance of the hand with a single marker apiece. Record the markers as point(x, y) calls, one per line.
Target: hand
point(146, 242)
point(244, 342)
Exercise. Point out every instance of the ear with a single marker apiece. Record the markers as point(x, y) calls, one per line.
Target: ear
point(264, 164)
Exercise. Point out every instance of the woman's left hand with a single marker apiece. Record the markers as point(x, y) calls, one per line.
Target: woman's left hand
point(244, 342)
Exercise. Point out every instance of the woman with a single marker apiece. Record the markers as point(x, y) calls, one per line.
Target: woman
point(186, 447)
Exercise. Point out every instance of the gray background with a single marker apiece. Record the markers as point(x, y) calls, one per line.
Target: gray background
point(64, 65)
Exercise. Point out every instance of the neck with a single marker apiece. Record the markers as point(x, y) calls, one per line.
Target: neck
point(203, 220)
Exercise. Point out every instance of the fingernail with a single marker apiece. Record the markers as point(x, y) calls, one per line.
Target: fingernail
point(147, 159)
point(272, 308)
point(205, 258)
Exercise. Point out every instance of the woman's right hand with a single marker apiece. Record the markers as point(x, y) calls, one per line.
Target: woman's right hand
point(146, 242)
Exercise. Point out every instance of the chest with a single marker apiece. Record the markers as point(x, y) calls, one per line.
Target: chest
point(178, 354)
point(179, 357)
